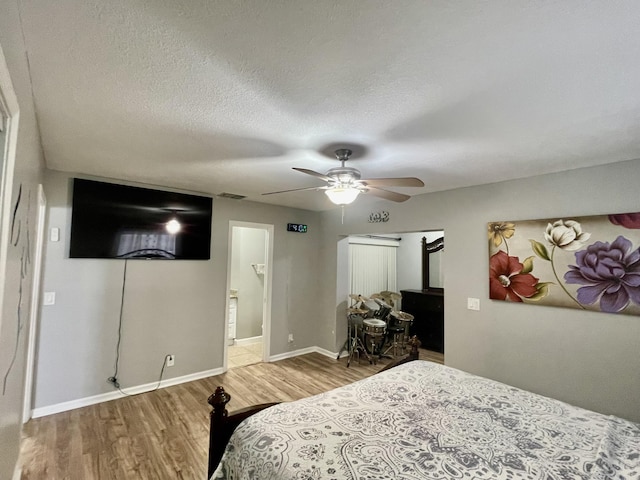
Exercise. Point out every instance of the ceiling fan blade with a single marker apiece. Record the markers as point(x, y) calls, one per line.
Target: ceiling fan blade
point(296, 190)
point(314, 174)
point(387, 195)
point(393, 182)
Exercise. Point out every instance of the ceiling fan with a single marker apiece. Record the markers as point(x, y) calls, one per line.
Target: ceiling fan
point(345, 184)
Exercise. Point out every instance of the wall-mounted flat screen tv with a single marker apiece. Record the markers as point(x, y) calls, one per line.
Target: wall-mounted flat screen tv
point(109, 220)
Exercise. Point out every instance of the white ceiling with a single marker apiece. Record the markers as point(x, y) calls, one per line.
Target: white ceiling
point(227, 96)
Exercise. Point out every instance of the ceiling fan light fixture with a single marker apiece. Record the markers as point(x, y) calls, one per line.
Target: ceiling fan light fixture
point(342, 195)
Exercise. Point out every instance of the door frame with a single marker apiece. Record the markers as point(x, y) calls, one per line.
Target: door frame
point(8, 105)
point(35, 304)
point(267, 292)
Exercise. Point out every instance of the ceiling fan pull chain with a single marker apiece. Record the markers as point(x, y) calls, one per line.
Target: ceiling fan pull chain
point(343, 214)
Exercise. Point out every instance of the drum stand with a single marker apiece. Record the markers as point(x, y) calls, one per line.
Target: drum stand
point(376, 346)
point(396, 343)
point(355, 343)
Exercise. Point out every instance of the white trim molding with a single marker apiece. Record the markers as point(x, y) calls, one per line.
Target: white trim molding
point(9, 108)
point(268, 287)
point(35, 304)
point(241, 342)
point(304, 351)
point(105, 397)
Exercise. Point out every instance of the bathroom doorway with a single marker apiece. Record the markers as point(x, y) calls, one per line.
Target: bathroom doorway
point(249, 292)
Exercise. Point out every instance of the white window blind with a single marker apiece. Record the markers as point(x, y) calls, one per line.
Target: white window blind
point(372, 268)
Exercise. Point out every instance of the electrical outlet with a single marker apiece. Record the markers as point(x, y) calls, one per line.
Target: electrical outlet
point(473, 303)
point(290, 337)
point(171, 360)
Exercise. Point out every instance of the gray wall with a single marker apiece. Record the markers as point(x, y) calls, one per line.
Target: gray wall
point(586, 358)
point(248, 248)
point(14, 323)
point(169, 307)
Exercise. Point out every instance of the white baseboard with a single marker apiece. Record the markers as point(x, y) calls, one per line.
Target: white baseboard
point(329, 354)
point(304, 351)
point(105, 397)
point(294, 353)
point(241, 342)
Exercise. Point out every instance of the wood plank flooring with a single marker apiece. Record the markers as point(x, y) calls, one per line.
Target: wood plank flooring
point(164, 434)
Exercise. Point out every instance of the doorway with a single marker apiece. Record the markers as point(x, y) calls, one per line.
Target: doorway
point(9, 118)
point(249, 294)
point(35, 303)
point(395, 262)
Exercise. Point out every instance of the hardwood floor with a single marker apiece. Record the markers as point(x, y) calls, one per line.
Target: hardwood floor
point(164, 434)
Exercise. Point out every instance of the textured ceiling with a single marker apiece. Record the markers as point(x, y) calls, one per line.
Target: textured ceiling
point(227, 96)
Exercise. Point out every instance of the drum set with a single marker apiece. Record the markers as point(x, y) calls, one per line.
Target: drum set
point(375, 328)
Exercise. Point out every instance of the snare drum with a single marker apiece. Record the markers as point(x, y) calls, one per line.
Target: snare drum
point(373, 327)
point(373, 332)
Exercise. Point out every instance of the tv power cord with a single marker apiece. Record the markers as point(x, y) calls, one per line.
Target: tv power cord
point(114, 381)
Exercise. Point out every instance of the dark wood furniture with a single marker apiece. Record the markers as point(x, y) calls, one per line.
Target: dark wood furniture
point(427, 308)
point(223, 424)
point(427, 305)
point(428, 249)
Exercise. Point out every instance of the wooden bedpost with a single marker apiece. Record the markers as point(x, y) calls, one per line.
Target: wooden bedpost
point(223, 424)
point(217, 440)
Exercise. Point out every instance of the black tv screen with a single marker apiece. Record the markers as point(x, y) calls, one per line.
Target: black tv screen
point(119, 221)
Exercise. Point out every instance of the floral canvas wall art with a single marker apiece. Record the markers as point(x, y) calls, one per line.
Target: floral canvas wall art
point(590, 263)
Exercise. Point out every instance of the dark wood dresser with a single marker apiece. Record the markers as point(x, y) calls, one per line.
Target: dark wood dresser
point(427, 308)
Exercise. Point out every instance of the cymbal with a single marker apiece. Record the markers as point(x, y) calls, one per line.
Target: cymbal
point(389, 293)
point(357, 297)
point(357, 311)
point(402, 315)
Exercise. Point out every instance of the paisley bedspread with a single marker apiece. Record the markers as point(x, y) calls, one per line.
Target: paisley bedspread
point(422, 421)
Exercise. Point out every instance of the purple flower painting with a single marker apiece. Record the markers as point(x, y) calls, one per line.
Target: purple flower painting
point(590, 263)
point(610, 273)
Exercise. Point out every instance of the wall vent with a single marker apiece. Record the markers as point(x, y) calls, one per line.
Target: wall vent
point(233, 196)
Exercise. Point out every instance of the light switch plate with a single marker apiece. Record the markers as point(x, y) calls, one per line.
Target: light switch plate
point(473, 303)
point(49, 298)
point(55, 234)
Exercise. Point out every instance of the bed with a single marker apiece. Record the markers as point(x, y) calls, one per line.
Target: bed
point(421, 420)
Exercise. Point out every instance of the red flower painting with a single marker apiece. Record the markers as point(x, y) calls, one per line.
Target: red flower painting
point(507, 280)
point(626, 220)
